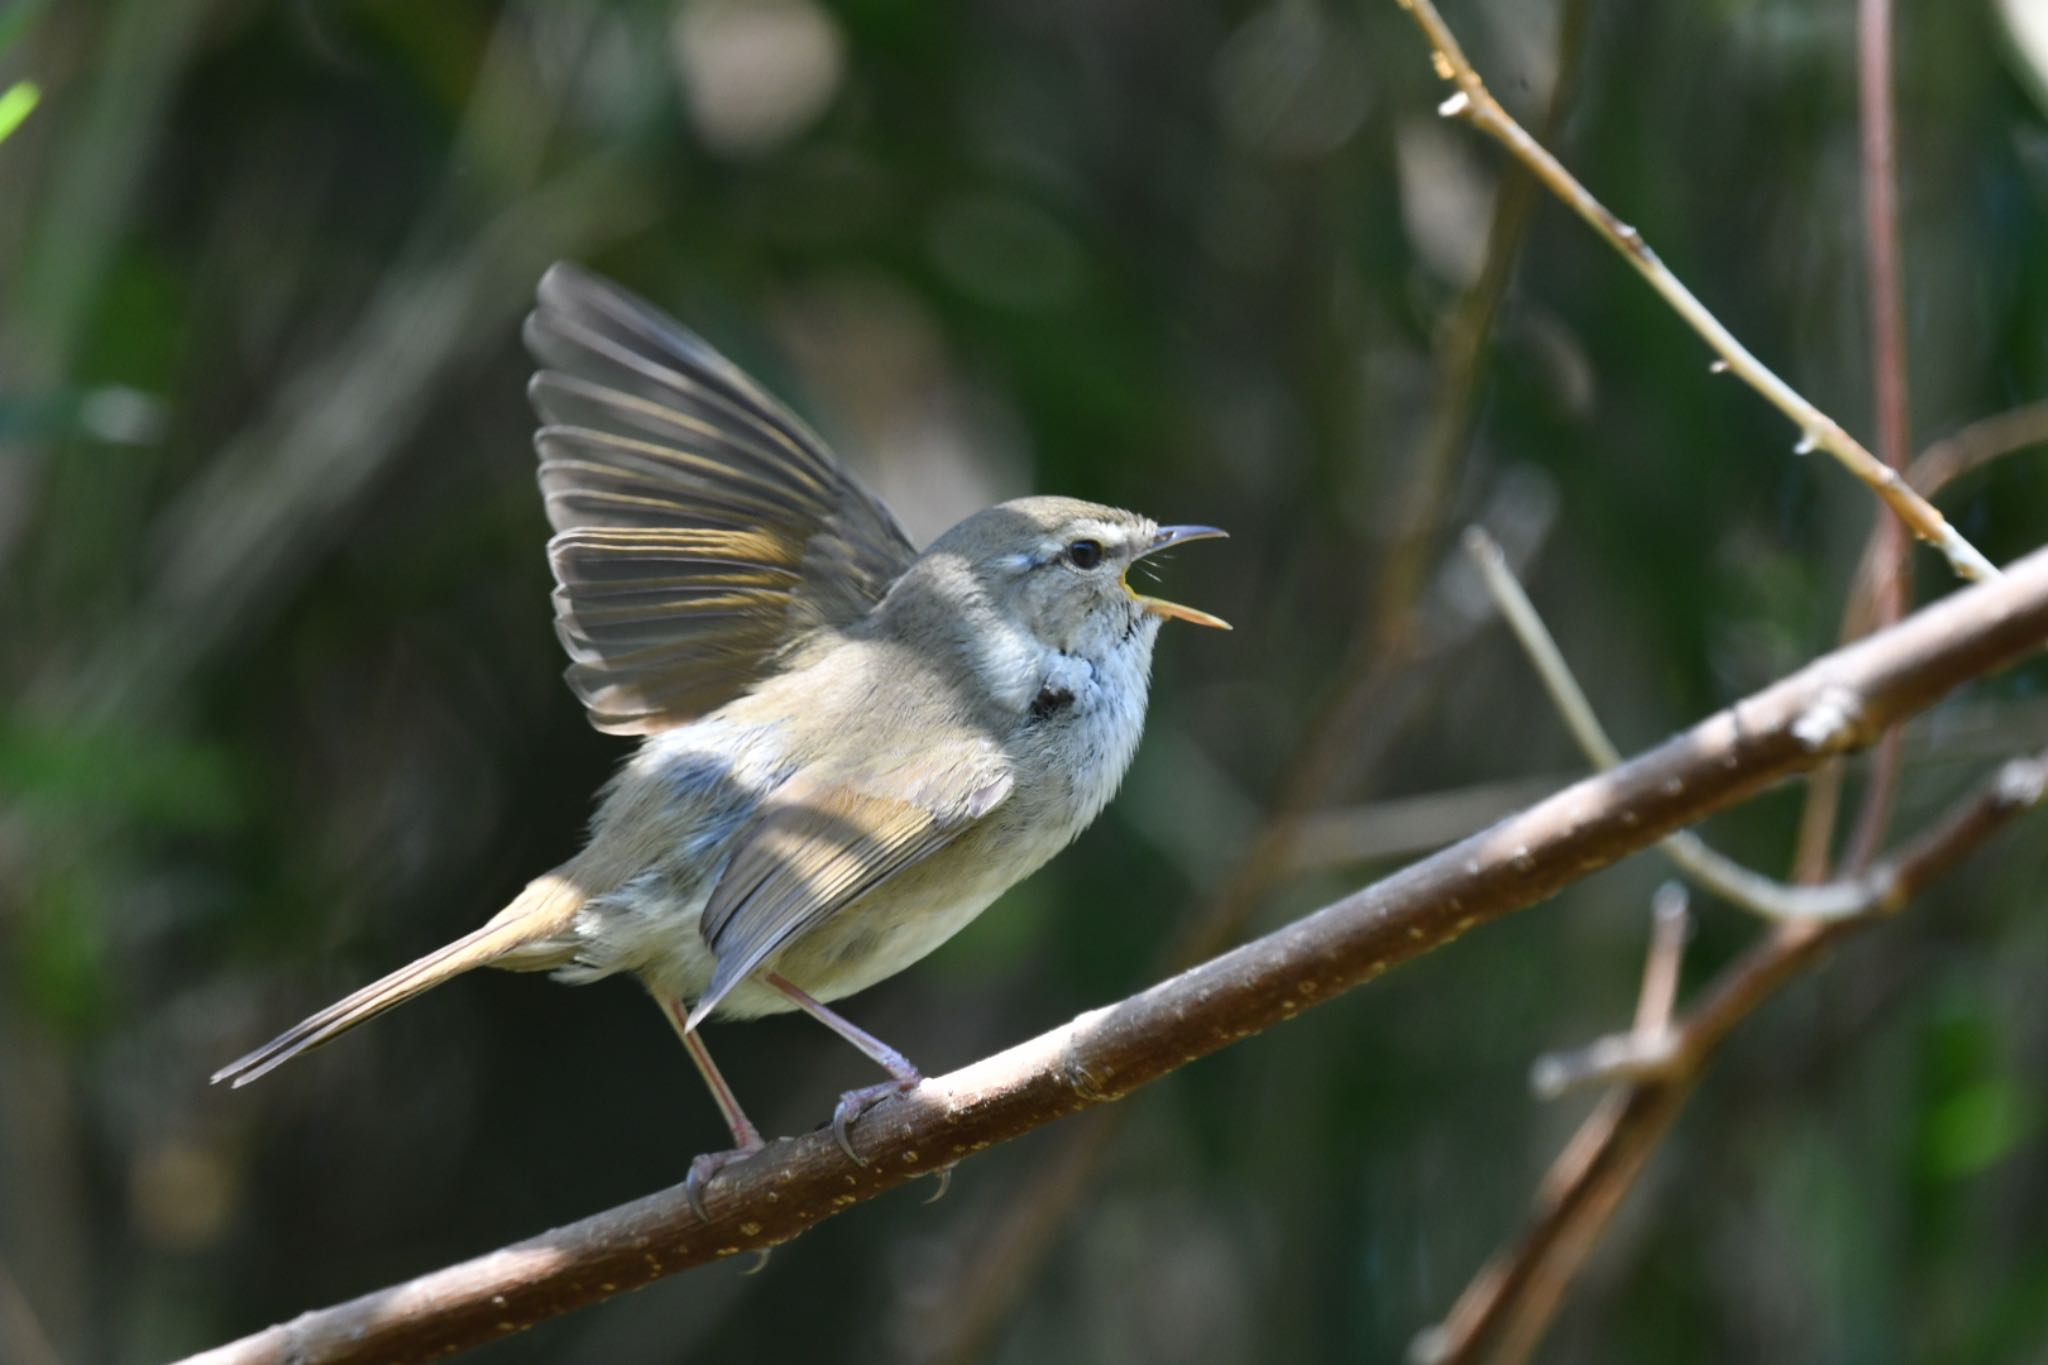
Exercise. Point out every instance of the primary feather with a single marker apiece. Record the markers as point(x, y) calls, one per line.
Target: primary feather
point(703, 530)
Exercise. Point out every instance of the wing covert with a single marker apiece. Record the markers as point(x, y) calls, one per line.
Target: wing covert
point(818, 846)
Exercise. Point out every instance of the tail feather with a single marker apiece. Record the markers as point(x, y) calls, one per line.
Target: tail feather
point(543, 909)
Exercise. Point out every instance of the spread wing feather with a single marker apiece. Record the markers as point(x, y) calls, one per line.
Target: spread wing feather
point(701, 527)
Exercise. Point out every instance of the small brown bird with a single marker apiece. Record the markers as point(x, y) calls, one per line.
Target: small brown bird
point(850, 748)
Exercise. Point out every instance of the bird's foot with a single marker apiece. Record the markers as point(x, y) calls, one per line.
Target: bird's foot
point(705, 1167)
point(854, 1103)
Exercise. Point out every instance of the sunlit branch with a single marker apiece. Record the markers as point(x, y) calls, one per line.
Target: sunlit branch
point(1108, 1053)
point(1474, 103)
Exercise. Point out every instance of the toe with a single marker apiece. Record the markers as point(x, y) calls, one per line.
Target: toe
point(850, 1107)
point(706, 1167)
point(693, 1191)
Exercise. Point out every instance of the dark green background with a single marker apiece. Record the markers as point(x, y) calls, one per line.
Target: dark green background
point(279, 705)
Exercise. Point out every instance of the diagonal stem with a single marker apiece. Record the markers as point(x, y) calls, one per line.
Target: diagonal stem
point(1884, 276)
point(1723, 876)
point(1476, 104)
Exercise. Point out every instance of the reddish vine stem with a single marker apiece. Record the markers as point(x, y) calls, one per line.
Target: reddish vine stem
point(1885, 276)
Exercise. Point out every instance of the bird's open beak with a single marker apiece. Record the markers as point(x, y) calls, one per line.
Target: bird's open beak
point(1169, 536)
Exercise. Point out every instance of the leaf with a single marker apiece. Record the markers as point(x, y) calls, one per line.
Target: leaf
point(1979, 1126)
point(21, 98)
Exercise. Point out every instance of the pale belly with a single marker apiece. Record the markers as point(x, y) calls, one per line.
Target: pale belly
point(884, 932)
point(650, 927)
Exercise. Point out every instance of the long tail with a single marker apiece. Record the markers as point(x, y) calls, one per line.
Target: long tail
point(541, 911)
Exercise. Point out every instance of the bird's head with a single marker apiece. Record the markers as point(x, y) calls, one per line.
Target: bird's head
point(1057, 569)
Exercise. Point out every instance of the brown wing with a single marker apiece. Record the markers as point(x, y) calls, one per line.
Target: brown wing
point(702, 527)
point(818, 846)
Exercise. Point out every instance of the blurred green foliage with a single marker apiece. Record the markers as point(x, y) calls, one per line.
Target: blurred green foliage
point(279, 704)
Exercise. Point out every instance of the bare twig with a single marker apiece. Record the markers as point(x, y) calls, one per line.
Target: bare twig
point(1891, 586)
point(1508, 1307)
point(1884, 274)
point(1474, 103)
point(1107, 1053)
point(1721, 875)
point(1647, 1049)
point(1514, 1297)
point(1953, 457)
point(1462, 344)
point(1978, 444)
point(1503, 1313)
point(1670, 927)
point(1405, 826)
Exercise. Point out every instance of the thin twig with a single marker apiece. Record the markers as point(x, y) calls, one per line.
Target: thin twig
point(1712, 871)
point(1475, 104)
point(1646, 1050)
point(1884, 273)
point(1510, 1304)
point(1504, 1311)
point(1461, 347)
point(1670, 927)
point(1978, 444)
point(1956, 456)
point(1512, 1300)
point(1953, 457)
point(1107, 1053)
point(1405, 826)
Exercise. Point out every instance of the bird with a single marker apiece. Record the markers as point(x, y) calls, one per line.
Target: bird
point(848, 749)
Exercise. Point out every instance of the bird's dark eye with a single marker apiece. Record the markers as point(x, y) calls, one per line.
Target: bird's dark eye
point(1085, 554)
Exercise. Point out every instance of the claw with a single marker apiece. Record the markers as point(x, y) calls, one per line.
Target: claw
point(704, 1168)
point(760, 1261)
point(945, 1174)
point(854, 1103)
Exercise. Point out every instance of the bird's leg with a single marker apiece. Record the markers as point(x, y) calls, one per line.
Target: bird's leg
point(854, 1103)
point(746, 1138)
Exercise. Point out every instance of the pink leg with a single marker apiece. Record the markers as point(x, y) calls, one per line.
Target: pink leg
point(879, 1052)
point(746, 1138)
point(854, 1103)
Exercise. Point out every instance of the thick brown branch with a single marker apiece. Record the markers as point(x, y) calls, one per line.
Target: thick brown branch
point(1842, 700)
